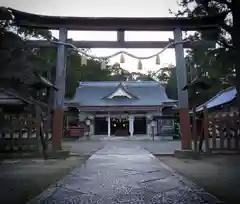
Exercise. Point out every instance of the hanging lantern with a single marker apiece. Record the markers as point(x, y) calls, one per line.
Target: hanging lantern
point(140, 65)
point(83, 60)
point(158, 60)
point(122, 59)
point(103, 64)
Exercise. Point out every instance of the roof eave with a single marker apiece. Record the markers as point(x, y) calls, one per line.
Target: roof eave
point(201, 107)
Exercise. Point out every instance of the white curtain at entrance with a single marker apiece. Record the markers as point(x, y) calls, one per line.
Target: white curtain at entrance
point(109, 126)
point(131, 125)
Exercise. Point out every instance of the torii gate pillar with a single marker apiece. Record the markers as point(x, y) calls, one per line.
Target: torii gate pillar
point(182, 95)
point(58, 115)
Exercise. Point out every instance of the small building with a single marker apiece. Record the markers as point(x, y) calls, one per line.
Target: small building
point(23, 114)
point(222, 103)
point(121, 108)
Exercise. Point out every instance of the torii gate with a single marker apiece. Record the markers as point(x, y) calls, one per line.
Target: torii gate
point(63, 24)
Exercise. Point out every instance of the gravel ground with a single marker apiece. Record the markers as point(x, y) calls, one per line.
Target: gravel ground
point(21, 180)
point(219, 175)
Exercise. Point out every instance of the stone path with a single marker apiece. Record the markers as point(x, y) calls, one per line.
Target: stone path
point(124, 175)
point(157, 147)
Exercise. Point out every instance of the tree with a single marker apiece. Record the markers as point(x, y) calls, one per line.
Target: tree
point(222, 64)
point(90, 72)
point(168, 78)
point(171, 87)
point(17, 68)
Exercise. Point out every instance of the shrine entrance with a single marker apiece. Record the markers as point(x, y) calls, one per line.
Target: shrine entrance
point(101, 126)
point(120, 126)
point(140, 126)
point(120, 25)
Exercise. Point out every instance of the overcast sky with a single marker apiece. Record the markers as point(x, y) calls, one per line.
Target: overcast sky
point(108, 8)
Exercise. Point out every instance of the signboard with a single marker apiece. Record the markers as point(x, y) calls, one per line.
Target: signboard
point(154, 124)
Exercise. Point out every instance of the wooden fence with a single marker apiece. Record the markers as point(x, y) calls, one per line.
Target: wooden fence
point(23, 134)
point(220, 132)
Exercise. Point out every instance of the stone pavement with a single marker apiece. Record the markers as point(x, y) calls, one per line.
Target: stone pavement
point(117, 174)
point(157, 147)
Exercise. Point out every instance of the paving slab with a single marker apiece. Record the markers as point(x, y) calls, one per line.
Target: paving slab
point(122, 174)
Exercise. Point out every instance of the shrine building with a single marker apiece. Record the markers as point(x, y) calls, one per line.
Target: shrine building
point(117, 108)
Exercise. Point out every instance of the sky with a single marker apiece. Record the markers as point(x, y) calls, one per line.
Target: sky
point(109, 8)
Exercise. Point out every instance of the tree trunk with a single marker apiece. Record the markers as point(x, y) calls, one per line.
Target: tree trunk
point(236, 43)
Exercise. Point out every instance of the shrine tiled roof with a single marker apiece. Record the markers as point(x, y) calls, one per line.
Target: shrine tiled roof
point(221, 98)
point(147, 93)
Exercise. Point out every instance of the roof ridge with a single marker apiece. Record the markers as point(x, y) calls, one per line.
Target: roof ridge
point(116, 83)
point(120, 86)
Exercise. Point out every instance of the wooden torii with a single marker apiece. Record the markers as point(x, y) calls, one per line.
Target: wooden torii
point(63, 24)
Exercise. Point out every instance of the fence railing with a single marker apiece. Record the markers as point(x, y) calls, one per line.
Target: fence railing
point(223, 132)
point(23, 134)
point(218, 132)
